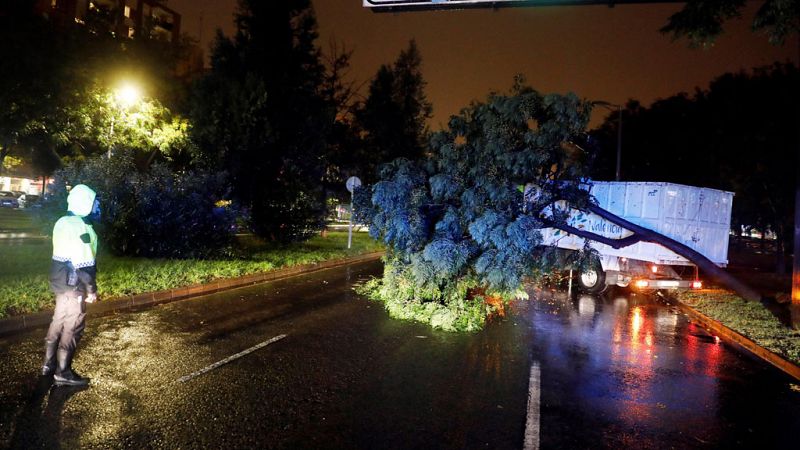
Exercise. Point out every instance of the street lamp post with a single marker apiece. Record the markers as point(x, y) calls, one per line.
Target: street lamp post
point(796, 255)
point(610, 107)
point(110, 137)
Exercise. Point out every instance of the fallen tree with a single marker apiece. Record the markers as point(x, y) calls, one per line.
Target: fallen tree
point(457, 224)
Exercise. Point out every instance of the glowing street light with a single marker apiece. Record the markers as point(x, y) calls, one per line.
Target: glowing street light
point(128, 94)
point(125, 96)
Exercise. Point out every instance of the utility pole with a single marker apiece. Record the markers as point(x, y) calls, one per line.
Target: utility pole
point(619, 142)
point(796, 255)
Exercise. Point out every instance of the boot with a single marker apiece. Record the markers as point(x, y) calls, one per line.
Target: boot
point(49, 358)
point(64, 375)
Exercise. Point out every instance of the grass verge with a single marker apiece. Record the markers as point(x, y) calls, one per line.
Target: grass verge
point(14, 220)
point(750, 319)
point(24, 286)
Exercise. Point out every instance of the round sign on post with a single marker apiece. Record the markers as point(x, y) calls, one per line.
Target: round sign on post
point(352, 184)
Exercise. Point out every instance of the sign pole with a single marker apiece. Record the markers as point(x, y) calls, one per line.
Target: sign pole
point(351, 184)
point(350, 225)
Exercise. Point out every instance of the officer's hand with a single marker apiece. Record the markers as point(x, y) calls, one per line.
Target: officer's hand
point(90, 298)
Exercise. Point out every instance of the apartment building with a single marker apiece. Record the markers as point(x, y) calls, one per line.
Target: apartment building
point(130, 18)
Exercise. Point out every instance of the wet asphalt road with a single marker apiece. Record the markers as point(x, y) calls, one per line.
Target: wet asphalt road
point(616, 371)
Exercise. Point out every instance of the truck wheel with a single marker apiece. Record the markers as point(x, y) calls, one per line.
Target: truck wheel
point(592, 280)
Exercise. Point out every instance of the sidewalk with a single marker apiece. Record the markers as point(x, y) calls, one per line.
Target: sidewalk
point(25, 322)
point(752, 346)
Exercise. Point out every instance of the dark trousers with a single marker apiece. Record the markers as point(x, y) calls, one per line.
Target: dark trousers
point(69, 320)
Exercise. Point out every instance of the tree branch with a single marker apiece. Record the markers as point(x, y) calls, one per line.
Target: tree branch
point(611, 242)
point(641, 234)
point(705, 264)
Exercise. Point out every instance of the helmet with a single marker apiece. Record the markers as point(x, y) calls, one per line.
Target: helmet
point(81, 200)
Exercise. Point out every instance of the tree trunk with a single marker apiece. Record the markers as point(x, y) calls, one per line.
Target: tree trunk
point(646, 235)
point(3, 153)
point(150, 158)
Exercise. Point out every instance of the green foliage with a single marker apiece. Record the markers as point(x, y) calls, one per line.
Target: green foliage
point(153, 213)
point(461, 219)
point(751, 319)
point(449, 310)
point(24, 286)
point(146, 125)
point(10, 162)
point(261, 115)
point(701, 20)
point(57, 101)
point(393, 117)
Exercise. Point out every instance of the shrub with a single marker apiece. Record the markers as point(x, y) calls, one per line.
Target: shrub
point(156, 213)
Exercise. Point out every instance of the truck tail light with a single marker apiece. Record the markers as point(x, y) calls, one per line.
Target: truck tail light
point(697, 284)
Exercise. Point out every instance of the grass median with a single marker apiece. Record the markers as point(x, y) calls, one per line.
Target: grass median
point(14, 220)
point(24, 286)
point(750, 319)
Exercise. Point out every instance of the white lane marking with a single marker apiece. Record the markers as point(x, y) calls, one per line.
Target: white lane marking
point(532, 424)
point(186, 378)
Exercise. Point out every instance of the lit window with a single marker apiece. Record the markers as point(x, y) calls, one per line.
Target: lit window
point(127, 11)
point(131, 32)
point(53, 3)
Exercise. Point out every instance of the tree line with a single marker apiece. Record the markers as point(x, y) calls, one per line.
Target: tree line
point(278, 117)
point(739, 135)
point(274, 114)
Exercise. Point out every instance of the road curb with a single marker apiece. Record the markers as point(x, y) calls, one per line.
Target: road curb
point(740, 340)
point(17, 324)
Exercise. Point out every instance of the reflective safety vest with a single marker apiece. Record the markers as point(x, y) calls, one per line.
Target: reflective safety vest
point(75, 242)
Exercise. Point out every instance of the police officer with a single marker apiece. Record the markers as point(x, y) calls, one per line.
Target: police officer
point(72, 279)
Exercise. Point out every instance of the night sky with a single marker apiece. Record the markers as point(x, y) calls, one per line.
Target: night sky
point(597, 52)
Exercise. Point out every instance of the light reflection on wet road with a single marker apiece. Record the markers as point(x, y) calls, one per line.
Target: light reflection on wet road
point(616, 371)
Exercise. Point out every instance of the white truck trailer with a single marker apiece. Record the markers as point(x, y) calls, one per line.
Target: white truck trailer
point(696, 217)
